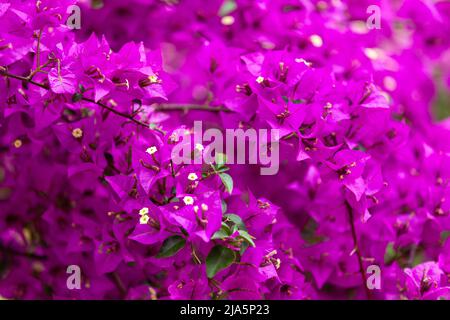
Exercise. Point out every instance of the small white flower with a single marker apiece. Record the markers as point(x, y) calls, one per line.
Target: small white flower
point(77, 133)
point(144, 219)
point(204, 207)
point(316, 40)
point(143, 211)
point(260, 79)
point(192, 176)
point(227, 20)
point(188, 200)
point(151, 150)
point(153, 79)
point(17, 143)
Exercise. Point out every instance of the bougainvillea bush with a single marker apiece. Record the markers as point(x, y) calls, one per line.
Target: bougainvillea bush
point(89, 118)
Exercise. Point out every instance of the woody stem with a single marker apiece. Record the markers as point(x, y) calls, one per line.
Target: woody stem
point(357, 249)
point(160, 107)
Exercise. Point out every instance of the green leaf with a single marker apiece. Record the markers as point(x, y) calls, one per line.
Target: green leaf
point(77, 97)
point(227, 7)
point(86, 112)
point(236, 220)
point(247, 237)
point(445, 235)
point(221, 234)
point(175, 199)
point(224, 206)
point(441, 102)
point(227, 180)
point(218, 259)
point(97, 4)
point(308, 233)
point(171, 246)
point(419, 257)
point(244, 247)
point(226, 228)
point(360, 147)
point(220, 159)
point(390, 254)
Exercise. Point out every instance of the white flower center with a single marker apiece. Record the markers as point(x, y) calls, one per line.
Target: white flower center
point(188, 200)
point(77, 133)
point(192, 176)
point(151, 150)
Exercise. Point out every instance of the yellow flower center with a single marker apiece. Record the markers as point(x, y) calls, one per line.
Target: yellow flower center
point(77, 133)
point(144, 219)
point(151, 150)
point(188, 200)
point(316, 40)
point(192, 176)
point(153, 79)
point(227, 20)
point(17, 143)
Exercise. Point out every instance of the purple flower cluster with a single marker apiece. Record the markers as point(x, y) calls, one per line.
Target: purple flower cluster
point(89, 119)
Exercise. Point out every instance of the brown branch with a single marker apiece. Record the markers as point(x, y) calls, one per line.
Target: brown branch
point(160, 107)
point(114, 277)
point(41, 85)
point(38, 50)
point(119, 113)
point(186, 107)
point(3, 72)
point(22, 254)
point(39, 69)
point(357, 249)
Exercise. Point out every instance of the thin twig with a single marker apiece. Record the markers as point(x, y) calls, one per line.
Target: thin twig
point(187, 107)
point(118, 283)
point(39, 69)
point(357, 249)
point(160, 107)
point(38, 50)
point(119, 113)
point(3, 72)
point(22, 254)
